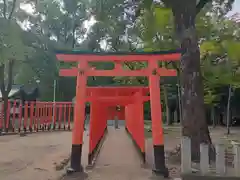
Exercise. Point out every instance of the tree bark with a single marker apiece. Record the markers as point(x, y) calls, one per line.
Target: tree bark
point(12, 9)
point(168, 120)
point(194, 124)
point(228, 108)
point(5, 109)
point(5, 9)
point(213, 118)
point(175, 115)
point(2, 87)
point(179, 102)
point(5, 90)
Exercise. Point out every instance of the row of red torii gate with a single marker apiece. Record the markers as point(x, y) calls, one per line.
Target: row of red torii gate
point(130, 100)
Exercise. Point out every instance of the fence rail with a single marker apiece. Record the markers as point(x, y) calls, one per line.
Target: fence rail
point(204, 168)
point(36, 116)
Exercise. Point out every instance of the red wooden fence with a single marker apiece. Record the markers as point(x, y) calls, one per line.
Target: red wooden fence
point(36, 116)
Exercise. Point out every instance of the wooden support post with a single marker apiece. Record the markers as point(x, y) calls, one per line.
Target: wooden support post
point(140, 112)
point(92, 130)
point(79, 116)
point(157, 129)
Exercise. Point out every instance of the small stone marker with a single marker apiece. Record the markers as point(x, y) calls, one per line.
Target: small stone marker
point(220, 159)
point(186, 155)
point(204, 158)
point(236, 149)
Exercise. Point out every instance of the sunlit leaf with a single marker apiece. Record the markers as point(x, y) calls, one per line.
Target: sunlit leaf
point(163, 17)
point(210, 47)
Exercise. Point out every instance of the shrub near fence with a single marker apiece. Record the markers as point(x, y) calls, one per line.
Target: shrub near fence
point(37, 116)
point(220, 168)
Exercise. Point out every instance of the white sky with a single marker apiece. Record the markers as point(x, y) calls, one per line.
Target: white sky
point(236, 7)
point(28, 8)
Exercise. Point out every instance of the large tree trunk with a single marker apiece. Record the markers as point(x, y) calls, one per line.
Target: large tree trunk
point(2, 87)
point(5, 90)
point(194, 124)
point(5, 111)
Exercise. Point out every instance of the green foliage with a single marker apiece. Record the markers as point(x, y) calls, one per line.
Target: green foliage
point(210, 48)
point(220, 58)
point(11, 44)
point(232, 49)
point(156, 26)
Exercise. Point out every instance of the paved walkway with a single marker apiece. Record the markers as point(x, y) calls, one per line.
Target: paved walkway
point(118, 159)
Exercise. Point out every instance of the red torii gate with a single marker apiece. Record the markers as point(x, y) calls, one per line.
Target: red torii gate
point(103, 99)
point(152, 72)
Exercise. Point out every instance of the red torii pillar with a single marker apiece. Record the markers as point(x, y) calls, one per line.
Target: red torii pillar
point(134, 113)
point(97, 127)
point(79, 117)
point(156, 116)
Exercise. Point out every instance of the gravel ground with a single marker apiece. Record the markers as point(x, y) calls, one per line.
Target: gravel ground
point(118, 159)
point(34, 156)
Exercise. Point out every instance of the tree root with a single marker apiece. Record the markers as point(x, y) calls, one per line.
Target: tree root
point(174, 156)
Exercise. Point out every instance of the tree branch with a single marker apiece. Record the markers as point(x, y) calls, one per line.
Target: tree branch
point(5, 9)
point(170, 3)
point(10, 76)
point(73, 36)
point(201, 5)
point(12, 10)
point(2, 84)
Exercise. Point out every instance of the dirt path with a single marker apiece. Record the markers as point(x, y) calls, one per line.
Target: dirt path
point(118, 159)
point(35, 156)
